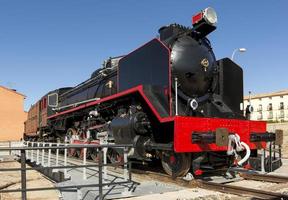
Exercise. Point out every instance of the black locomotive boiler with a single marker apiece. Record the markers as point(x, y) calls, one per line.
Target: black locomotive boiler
point(170, 98)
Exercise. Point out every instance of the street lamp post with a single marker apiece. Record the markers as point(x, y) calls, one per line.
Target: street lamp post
point(238, 49)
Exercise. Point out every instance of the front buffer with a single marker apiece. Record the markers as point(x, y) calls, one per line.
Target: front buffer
point(226, 138)
point(194, 134)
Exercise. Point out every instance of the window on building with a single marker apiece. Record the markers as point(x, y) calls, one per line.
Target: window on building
point(270, 115)
point(282, 114)
point(260, 107)
point(269, 107)
point(281, 107)
point(260, 116)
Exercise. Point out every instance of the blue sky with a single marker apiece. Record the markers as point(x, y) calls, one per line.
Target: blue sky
point(49, 44)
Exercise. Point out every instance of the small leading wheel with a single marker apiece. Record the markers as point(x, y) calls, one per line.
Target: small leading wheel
point(80, 153)
point(69, 134)
point(175, 164)
point(94, 154)
point(72, 152)
point(114, 156)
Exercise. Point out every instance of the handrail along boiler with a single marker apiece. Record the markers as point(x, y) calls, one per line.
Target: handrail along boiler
point(170, 98)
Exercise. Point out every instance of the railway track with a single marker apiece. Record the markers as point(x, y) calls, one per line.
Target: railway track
point(224, 188)
point(260, 194)
point(264, 177)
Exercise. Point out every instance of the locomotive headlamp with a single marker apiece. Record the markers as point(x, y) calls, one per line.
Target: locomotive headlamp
point(205, 21)
point(210, 16)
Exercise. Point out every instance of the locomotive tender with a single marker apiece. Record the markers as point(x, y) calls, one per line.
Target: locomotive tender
point(170, 98)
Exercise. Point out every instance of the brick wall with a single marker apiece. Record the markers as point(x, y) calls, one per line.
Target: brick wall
point(12, 115)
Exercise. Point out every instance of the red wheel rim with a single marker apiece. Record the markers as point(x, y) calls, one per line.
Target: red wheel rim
point(172, 159)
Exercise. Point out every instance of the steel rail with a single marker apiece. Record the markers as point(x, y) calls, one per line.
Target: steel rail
point(238, 190)
point(265, 177)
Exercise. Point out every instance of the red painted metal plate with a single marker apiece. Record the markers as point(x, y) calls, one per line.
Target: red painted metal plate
point(185, 126)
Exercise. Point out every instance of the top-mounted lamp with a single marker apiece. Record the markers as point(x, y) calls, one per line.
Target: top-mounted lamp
point(205, 21)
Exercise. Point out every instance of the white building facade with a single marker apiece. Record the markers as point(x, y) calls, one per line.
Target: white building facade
point(271, 107)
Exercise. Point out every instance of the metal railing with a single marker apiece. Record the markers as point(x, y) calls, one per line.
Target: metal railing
point(9, 144)
point(274, 155)
point(27, 152)
point(271, 155)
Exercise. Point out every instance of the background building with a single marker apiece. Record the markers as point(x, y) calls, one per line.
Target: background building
point(12, 114)
point(271, 107)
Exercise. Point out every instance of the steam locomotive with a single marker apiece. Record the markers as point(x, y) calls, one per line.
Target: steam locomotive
point(170, 98)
